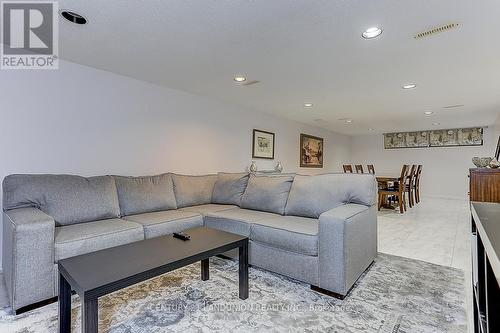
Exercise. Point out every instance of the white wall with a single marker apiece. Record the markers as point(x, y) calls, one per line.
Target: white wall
point(445, 169)
point(80, 120)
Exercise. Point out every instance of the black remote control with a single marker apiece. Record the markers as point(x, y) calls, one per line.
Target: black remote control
point(182, 235)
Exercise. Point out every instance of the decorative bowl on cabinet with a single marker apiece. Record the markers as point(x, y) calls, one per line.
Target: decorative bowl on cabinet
point(494, 163)
point(481, 162)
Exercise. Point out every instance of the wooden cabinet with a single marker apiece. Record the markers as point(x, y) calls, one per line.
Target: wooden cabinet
point(485, 185)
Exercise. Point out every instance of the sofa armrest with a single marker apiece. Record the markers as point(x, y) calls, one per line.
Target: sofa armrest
point(347, 245)
point(28, 255)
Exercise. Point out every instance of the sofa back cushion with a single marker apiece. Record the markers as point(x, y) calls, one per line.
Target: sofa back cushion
point(229, 188)
point(145, 194)
point(193, 190)
point(67, 199)
point(267, 193)
point(310, 196)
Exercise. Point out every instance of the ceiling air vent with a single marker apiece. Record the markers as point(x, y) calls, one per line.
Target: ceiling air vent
point(435, 31)
point(453, 106)
point(249, 83)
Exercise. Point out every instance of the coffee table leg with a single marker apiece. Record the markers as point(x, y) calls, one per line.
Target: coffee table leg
point(205, 274)
point(64, 305)
point(243, 271)
point(90, 318)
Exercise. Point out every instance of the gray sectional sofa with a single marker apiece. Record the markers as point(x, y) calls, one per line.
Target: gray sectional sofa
point(321, 230)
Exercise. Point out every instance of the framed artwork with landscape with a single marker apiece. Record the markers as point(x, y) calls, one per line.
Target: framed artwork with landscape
point(263, 144)
point(311, 151)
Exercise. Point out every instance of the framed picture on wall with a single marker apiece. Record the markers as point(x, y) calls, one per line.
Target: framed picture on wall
point(263, 144)
point(311, 151)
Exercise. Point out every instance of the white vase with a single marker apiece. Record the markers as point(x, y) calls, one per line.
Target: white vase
point(278, 167)
point(253, 167)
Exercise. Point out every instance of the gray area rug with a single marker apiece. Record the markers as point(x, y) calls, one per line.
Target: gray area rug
point(397, 295)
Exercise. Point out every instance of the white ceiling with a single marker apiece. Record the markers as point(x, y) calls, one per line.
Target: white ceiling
point(305, 51)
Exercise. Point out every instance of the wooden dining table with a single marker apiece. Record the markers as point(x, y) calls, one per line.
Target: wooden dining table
point(383, 181)
point(387, 179)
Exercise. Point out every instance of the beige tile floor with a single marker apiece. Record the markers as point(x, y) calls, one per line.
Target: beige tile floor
point(436, 231)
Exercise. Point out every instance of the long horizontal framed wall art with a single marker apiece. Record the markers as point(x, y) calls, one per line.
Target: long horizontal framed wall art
point(435, 138)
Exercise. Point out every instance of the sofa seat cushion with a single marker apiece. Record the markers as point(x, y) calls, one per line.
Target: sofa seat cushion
point(289, 233)
point(209, 208)
point(235, 220)
point(76, 239)
point(157, 224)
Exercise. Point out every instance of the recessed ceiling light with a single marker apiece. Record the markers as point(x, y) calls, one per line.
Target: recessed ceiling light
point(348, 121)
point(409, 86)
point(371, 129)
point(371, 32)
point(436, 124)
point(308, 105)
point(428, 113)
point(240, 78)
point(73, 17)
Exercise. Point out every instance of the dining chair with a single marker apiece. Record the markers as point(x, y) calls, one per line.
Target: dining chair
point(371, 169)
point(398, 191)
point(417, 183)
point(410, 185)
point(359, 168)
point(347, 168)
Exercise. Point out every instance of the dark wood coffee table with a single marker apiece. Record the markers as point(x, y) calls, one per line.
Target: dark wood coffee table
point(99, 273)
